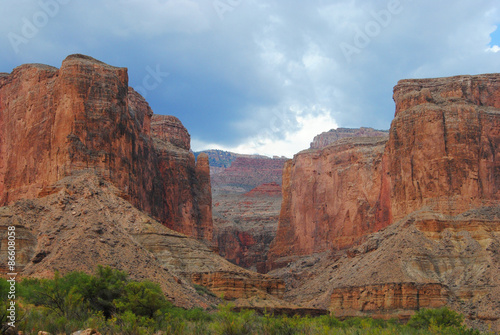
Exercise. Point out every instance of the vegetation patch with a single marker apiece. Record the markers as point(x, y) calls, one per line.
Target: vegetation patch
point(113, 304)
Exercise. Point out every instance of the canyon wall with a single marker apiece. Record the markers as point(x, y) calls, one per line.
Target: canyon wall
point(330, 197)
point(83, 116)
point(417, 213)
point(247, 172)
point(246, 205)
point(443, 152)
point(86, 170)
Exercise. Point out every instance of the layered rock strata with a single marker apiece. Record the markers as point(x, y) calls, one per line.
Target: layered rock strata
point(434, 185)
point(86, 223)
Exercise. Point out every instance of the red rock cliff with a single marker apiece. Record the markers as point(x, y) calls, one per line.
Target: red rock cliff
point(83, 116)
point(329, 198)
point(442, 154)
point(434, 186)
point(443, 151)
point(187, 191)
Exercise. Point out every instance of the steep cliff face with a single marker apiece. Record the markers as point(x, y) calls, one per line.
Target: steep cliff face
point(246, 226)
point(325, 139)
point(434, 186)
point(83, 116)
point(85, 168)
point(443, 150)
point(187, 193)
point(246, 205)
point(329, 198)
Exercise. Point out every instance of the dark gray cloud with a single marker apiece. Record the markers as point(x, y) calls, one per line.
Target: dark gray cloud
point(261, 75)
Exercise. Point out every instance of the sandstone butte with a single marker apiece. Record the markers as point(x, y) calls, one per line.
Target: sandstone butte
point(88, 175)
point(383, 226)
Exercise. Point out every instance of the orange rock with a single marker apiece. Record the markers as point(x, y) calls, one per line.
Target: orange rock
point(84, 117)
point(443, 147)
point(268, 189)
point(330, 198)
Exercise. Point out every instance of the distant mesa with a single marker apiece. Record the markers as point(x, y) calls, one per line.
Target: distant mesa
point(325, 139)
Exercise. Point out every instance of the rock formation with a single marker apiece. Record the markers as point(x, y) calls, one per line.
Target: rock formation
point(268, 189)
point(246, 204)
point(330, 198)
point(84, 116)
point(86, 223)
point(86, 171)
point(187, 194)
point(431, 190)
point(245, 227)
point(247, 172)
point(325, 139)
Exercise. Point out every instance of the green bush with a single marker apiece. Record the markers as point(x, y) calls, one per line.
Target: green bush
point(202, 290)
point(62, 295)
point(141, 298)
point(113, 304)
point(104, 288)
point(440, 318)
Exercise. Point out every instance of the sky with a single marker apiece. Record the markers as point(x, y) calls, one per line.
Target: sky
point(261, 76)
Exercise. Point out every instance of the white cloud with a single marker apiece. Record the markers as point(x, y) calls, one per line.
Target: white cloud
point(308, 123)
point(494, 48)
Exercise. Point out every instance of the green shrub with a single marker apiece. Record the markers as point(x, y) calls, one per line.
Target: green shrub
point(431, 318)
point(202, 290)
point(62, 295)
point(141, 298)
point(104, 288)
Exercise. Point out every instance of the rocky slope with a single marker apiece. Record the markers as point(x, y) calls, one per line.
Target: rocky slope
point(433, 184)
point(325, 139)
point(89, 176)
point(86, 223)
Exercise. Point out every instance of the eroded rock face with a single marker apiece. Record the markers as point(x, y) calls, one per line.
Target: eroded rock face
point(247, 172)
point(86, 223)
point(246, 205)
point(330, 198)
point(84, 172)
point(443, 150)
point(434, 186)
point(267, 189)
point(246, 226)
point(187, 192)
point(83, 116)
